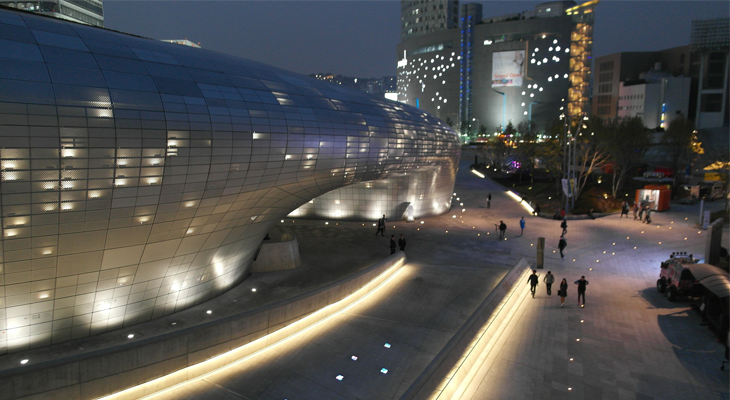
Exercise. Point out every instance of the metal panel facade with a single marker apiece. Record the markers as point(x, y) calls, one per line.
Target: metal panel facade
point(139, 177)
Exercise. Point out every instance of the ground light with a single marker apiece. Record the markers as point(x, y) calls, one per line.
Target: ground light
point(326, 314)
point(477, 173)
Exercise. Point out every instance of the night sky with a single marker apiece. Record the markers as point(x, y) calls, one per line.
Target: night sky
point(359, 38)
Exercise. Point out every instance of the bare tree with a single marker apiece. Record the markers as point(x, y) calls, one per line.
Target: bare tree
point(591, 152)
point(627, 141)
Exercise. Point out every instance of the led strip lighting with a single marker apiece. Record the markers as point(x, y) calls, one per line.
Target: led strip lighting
point(522, 201)
point(301, 326)
point(481, 356)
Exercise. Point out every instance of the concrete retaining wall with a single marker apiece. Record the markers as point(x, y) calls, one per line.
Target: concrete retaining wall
point(156, 363)
point(453, 368)
point(278, 255)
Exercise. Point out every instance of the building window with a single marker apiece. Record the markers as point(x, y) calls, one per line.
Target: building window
point(604, 99)
point(605, 66)
point(605, 77)
point(711, 102)
point(604, 110)
point(715, 71)
point(605, 88)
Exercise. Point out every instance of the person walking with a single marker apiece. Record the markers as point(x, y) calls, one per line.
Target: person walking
point(563, 291)
point(489, 200)
point(562, 244)
point(533, 281)
point(562, 213)
point(522, 226)
point(641, 214)
point(549, 279)
point(402, 243)
point(624, 209)
point(647, 219)
point(536, 211)
point(381, 227)
point(636, 210)
point(502, 230)
point(392, 244)
point(564, 225)
point(384, 221)
point(582, 282)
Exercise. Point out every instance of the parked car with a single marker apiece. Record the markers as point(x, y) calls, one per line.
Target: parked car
point(675, 276)
point(712, 190)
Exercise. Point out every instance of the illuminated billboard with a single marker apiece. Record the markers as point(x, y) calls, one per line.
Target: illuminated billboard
point(508, 68)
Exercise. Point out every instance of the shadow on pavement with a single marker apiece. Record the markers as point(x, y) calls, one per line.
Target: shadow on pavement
point(695, 351)
point(659, 300)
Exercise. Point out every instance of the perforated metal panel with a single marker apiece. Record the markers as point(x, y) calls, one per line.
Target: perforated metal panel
point(139, 177)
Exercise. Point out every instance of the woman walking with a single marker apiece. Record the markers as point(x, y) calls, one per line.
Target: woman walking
point(563, 291)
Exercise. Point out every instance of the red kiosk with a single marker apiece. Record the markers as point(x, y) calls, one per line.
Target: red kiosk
point(657, 197)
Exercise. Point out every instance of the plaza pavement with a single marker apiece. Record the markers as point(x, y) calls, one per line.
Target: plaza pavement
point(634, 344)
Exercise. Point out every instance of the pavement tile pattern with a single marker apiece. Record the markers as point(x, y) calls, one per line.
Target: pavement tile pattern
point(629, 342)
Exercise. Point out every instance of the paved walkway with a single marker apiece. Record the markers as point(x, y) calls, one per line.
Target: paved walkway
point(634, 344)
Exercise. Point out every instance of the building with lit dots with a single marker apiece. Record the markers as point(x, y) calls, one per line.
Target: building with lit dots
point(526, 67)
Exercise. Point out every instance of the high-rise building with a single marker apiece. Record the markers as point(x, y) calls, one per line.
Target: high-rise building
point(420, 17)
point(524, 67)
point(710, 40)
point(90, 12)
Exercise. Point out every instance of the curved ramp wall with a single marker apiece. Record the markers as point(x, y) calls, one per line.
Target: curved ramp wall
point(139, 177)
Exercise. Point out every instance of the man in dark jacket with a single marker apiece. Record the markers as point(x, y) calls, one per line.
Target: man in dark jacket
point(582, 282)
point(533, 281)
point(402, 243)
point(562, 244)
point(502, 229)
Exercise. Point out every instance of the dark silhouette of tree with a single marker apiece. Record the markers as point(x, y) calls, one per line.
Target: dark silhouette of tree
point(626, 140)
point(677, 142)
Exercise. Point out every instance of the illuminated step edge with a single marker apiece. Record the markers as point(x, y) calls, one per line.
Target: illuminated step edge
point(450, 373)
point(381, 274)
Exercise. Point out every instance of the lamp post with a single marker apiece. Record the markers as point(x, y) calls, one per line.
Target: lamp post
point(504, 109)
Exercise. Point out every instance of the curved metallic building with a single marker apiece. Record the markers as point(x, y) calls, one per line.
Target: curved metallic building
point(139, 177)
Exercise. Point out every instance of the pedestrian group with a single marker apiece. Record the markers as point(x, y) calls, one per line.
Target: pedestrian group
point(549, 279)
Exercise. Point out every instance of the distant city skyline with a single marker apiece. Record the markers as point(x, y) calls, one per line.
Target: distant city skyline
point(359, 38)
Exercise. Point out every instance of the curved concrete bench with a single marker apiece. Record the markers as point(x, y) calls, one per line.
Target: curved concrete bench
point(136, 369)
